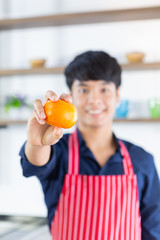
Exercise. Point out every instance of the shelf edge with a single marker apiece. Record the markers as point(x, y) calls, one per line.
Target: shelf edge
point(118, 15)
point(136, 120)
point(60, 69)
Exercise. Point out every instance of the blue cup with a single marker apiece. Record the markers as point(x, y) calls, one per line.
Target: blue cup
point(122, 109)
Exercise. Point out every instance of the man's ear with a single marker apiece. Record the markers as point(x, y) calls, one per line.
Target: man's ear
point(118, 95)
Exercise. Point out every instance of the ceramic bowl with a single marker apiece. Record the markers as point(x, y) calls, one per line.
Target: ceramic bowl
point(135, 57)
point(37, 63)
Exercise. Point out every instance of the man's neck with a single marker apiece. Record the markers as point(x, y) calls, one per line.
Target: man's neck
point(97, 138)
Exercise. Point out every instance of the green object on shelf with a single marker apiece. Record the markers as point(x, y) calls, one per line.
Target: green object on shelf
point(15, 101)
point(154, 106)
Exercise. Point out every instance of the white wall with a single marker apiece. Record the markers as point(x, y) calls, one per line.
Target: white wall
point(59, 45)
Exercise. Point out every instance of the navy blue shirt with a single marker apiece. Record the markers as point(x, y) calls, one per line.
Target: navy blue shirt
point(51, 177)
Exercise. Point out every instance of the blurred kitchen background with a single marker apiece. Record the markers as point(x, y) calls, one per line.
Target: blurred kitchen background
point(137, 118)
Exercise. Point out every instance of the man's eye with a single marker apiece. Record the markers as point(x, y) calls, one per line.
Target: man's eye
point(105, 90)
point(83, 90)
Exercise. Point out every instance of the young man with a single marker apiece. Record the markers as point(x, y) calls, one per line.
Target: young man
point(96, 186)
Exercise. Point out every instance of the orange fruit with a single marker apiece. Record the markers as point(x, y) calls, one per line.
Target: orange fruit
point(60, 113)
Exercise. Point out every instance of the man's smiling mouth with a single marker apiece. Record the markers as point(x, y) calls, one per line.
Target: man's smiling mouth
point(95, 112)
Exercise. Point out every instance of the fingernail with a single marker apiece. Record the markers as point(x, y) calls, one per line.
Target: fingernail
point(54, 98)
point(69, 99)
point(41, 121)
point(57, 131)
point(42, 115)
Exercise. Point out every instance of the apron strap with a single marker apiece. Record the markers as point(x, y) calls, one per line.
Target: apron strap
point(127, 163)
point(74, 156)
point(73, 153)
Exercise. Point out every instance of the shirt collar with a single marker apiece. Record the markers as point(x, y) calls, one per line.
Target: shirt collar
point(117, 157)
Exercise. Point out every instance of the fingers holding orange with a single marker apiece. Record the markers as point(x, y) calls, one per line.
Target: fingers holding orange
point(61, 113)
point(66, 97)
point(39, 113)
point(52, 135)
point(35, 115)
point(50, 95)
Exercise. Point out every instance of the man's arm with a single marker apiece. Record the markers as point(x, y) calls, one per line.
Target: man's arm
point(150, 205)
point(37, 155)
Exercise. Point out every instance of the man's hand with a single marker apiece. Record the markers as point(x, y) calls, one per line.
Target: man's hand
point(41, 135)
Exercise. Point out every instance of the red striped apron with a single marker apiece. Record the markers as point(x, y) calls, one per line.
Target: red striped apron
point(97, 207)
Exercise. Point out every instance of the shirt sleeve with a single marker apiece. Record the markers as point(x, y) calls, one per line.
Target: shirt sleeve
point(40, 171)
point(150, 204)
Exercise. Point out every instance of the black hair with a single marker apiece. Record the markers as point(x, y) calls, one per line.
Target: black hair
point(93, 65)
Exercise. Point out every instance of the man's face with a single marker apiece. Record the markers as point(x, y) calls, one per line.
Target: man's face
point(95, 102)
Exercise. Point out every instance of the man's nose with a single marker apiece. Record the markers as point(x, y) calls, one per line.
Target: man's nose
point(94, 97)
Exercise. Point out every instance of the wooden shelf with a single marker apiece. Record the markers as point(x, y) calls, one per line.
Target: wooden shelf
point(4, 123)
point(81, 18)
point(31, 71)
point(143, 120)
point(60, 69)
point(141, 66)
